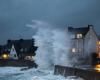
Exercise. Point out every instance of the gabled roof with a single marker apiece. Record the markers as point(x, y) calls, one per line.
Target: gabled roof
point(27, 44)
point(81, 30)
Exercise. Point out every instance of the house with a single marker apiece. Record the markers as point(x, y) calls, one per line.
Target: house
point(13, 53)
point(97, 56)
point(22, 49)
point(83, 41)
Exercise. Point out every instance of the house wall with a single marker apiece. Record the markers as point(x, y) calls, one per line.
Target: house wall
point(90, 44)
point(85, 46)
point(77, 43)
point(77, 56)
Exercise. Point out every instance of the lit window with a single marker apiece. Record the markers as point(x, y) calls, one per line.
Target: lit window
point(73, 50)
point(99, 42)
point(5, 56)
point(79, 35)
point(97, 67)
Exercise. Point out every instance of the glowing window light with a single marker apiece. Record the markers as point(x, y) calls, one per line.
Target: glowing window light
point(99, 42)
point(97, 68)
point(98, 49)
point(79, 35)
point(73, 50)
point(99, 55)
point(5, 56)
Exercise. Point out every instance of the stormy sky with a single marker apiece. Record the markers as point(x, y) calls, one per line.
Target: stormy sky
point(15, 14)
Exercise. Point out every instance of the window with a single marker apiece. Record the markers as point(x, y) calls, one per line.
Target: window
point(73, 50)
point(5, 56)
point(21, 49)
point(15, 56)
point(79, 35)
point(25, 49)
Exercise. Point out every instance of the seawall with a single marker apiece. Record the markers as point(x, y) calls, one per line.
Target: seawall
point(17, 63)
point(70, 71)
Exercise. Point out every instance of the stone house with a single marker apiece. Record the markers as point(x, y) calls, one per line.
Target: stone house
point(84, 41)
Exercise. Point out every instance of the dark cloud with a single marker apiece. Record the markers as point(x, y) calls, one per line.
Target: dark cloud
point(15, 14)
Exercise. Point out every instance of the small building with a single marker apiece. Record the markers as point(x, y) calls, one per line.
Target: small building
point(13, 53)
point(83, 42)
point(22, 49)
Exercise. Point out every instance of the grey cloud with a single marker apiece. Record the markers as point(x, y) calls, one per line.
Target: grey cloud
point(15, 14)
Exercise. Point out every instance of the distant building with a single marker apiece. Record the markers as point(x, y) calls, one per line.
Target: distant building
point(13, 53)
point(19, 49)
point(97, 56)
point(83, 41)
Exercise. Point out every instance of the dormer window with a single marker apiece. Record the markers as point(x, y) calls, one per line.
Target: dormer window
point(79, 35)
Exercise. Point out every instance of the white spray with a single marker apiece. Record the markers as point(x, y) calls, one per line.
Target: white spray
point(53, 45)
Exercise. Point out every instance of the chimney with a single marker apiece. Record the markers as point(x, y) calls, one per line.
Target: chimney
point(90, 26)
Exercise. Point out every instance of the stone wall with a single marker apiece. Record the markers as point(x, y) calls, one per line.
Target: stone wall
point(69, 71)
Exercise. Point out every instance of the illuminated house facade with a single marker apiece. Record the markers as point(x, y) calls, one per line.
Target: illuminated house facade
point(18, 50)
point(83, 41)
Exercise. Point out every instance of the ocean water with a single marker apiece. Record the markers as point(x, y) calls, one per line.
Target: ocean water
point(13, 73)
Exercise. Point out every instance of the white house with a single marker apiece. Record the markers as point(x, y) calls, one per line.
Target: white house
point(83, 41)
point(13, 53)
